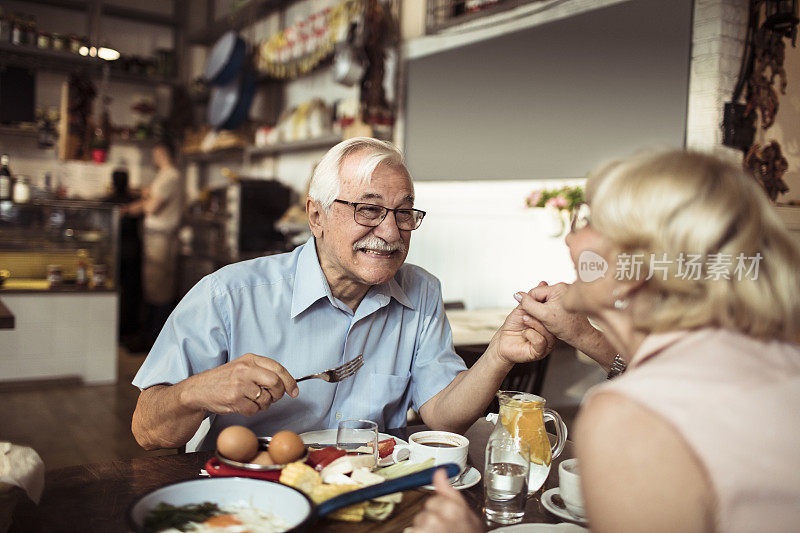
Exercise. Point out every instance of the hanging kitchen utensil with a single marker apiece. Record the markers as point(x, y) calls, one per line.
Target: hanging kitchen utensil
point(226, 59)
point(348, 60)
point(229, 103)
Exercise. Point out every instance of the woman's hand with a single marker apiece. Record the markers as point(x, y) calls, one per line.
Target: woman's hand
point(522, 338)
point(446, 511)
point(543, 306)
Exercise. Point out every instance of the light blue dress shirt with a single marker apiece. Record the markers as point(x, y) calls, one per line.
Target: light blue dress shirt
point(281, 307)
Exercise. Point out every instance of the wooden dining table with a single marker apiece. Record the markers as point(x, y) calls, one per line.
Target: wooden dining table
point(96, 497)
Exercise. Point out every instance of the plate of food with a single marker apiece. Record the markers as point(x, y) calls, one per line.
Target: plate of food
point(238, 447)
point(238, 503)
point(327, 437)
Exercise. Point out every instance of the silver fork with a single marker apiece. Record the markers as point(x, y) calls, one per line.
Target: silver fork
point(339, 373)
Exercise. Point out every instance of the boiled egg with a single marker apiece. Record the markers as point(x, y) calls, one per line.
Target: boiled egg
point(237, 443)
point(263, 458)
point(286, 446)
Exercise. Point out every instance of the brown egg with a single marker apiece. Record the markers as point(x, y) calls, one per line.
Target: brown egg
point(237, 443)
point(262, 458)
point(285, 447)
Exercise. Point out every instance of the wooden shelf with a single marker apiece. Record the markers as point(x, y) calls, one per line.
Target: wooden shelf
point(223, 154)
point(67, 62)
point(137, 15)
point(326, 141)
point(17, 131)
point(439, 15)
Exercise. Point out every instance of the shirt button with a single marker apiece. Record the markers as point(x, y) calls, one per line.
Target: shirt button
point(338, 416)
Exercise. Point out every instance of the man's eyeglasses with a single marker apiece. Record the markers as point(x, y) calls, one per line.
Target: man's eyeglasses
point(372, 215)
point(581, 217)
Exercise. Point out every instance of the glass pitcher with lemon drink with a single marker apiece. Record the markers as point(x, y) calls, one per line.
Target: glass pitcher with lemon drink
point(522, 416)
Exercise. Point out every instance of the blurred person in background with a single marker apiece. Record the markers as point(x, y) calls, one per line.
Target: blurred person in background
point(699, 432)
point(162, 205)
point(130, 258)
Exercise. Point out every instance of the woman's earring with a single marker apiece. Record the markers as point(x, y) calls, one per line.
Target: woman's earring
point(619, 302)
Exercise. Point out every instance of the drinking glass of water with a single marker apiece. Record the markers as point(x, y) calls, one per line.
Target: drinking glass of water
point(506, 480)
point(358, 437)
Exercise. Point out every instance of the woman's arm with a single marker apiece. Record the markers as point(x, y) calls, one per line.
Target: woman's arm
point(637, 472)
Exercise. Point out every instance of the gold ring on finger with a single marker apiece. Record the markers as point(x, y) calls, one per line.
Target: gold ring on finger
point(258, 395)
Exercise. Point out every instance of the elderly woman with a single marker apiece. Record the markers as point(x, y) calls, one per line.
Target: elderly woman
point(701, 299)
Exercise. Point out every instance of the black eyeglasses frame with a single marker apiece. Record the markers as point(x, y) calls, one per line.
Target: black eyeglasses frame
point(418, 214)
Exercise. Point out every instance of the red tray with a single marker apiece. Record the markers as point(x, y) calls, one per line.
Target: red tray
point(217, 469)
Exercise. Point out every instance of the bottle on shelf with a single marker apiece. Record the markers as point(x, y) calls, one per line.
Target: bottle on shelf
point(82, 268)
point(18, 29)
point(6, 182)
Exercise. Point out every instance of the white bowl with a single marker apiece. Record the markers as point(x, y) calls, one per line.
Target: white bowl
point(289, 504)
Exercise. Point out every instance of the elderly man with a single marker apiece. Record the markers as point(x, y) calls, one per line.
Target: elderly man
point(231, 348)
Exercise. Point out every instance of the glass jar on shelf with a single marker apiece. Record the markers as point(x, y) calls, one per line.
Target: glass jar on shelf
point(82, 268)
point(43, 40)
point(59, 41)
point(22, 190)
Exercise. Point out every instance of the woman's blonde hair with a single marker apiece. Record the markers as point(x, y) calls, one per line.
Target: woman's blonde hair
point(668, 208)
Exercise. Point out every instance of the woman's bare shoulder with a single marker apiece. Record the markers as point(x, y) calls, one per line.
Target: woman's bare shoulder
point(637, 470)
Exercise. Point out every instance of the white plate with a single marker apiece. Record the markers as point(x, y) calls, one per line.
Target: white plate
point(470, 478)
point(541, 528)
point(547, 501)
point(328, 436)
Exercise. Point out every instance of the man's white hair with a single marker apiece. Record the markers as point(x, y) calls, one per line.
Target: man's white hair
point(326, 181)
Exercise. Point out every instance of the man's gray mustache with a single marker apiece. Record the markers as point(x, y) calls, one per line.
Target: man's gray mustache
point(376, 243)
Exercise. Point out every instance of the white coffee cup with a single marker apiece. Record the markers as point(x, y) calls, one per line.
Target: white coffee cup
point(442, 446)
point(569, 485)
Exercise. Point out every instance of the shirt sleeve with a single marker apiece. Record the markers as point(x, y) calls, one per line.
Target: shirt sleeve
point(195, 338)
point(436, 362)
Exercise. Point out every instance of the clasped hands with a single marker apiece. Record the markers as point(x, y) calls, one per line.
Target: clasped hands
point(529, 332)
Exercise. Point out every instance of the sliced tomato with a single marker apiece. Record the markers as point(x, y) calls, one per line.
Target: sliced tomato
point(386, 447)
point(319, 459)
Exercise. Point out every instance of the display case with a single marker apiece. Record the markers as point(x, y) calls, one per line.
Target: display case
point(59, 245)
point(233, 223)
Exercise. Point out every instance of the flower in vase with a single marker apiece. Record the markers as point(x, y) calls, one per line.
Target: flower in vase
point(558, 202)
point(533, 198)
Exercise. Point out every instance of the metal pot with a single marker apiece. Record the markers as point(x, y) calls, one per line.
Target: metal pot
point(347, 67)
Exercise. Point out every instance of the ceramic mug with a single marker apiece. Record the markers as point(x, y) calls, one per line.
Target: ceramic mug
point(442, 446)
point(569, 486)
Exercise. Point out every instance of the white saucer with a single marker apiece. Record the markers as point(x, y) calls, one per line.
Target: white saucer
point(328, 436)
point(470, 478)
point(541, 528)
point(547, 501)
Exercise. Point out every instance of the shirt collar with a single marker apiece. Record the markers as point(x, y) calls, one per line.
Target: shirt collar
point(309, 281)
point(310, 284)
point(655, 343)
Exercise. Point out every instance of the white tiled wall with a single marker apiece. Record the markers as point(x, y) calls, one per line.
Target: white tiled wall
point(717, 45)
point(59, 335)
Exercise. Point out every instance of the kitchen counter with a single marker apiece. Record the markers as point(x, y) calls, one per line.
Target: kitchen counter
point(39, 286)
point(59, 333)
